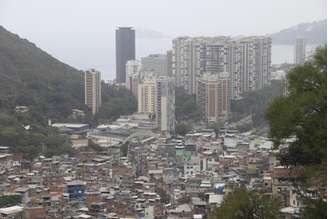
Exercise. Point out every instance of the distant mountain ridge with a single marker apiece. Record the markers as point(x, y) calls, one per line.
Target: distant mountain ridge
point(314, 33)
point(29, 76)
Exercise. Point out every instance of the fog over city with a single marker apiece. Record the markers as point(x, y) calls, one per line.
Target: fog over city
point(163, 109)
point(81, 33)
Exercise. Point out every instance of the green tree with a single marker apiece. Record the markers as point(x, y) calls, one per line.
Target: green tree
point(116, 102)
point(56, 145)
point(10, 200)
point(302, 115)
point(301, 118)
point(31, 77)
point(33, 141)
point(124, 149)
point(254, 103)
point(315, 209)
point(245, 204)
point(182, 128)
point(185, 106)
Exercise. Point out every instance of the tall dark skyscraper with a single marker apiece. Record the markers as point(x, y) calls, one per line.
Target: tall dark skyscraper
point(125, 50)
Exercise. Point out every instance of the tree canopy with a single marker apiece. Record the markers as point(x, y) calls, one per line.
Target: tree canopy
point(31, 77)
point(301, 116)
point(10, 200)
point(254, 103)
point(299, 121)
point(182, 128)
point(185, 106)
point(245, 204)
point(31, 141)
point(50, 89)
point(116, 101)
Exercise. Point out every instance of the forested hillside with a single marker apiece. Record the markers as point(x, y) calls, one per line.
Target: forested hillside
point(31, 77)
point(51, 89)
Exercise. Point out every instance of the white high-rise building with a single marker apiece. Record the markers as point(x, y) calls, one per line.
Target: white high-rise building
point(185, 64)
point(262, 47)
point(156, 96)
point(255, 63)
point(147, 95)
point(247, 60)
point(246, 65)
point(165, 105)
point(213, 56)
point(300, 49)
point(133, 68)
point(191, 56)
point(92, 90)
point(234, 68)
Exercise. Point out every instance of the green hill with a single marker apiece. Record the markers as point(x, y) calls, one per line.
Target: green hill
point(31, 77)
point(51, 89)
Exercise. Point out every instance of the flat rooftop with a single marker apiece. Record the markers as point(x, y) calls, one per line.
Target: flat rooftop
point(69, 125)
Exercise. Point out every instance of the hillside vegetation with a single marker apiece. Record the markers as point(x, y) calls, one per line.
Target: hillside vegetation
point(51, 89)
point(255, 103)
point(31, 77)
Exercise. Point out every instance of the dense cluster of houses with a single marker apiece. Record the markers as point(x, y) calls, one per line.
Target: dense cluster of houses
point(181, 177)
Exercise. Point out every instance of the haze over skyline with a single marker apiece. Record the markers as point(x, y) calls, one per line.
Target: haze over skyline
point(82, 33)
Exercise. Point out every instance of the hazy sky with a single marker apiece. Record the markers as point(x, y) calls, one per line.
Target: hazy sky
point(81, 32)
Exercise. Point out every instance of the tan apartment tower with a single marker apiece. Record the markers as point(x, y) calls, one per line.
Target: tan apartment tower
point(213, 96)
point(92, 90)
point(147, 95)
